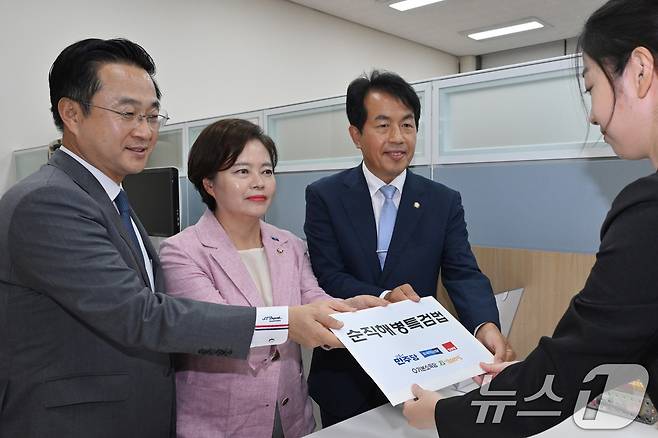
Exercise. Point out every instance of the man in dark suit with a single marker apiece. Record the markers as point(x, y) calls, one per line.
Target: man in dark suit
point(382, 230)
point(85, 329)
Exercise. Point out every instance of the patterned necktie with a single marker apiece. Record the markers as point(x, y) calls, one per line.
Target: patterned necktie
point(386, 223)
point(123, 206)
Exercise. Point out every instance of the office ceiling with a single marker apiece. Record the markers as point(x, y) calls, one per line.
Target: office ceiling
point(442, 25)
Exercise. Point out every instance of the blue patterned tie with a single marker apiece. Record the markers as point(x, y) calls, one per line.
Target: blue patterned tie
point(386, 223)
point(123, 206)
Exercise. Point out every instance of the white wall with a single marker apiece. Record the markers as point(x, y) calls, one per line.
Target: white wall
point(529, 53)
point(213, 56)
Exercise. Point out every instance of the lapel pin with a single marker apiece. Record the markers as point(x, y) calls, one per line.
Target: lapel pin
point(416, 204)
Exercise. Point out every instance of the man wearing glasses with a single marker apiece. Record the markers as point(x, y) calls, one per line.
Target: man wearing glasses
point(85, 330)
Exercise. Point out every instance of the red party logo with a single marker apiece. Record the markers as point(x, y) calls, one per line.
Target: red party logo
point(449, 346)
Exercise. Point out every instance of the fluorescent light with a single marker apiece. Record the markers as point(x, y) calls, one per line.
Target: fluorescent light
point(411, 4)
point(492, 33)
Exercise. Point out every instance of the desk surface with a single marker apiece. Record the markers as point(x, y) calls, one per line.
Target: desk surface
point(388, 421)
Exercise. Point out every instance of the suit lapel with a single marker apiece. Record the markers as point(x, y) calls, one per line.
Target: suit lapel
point(237, 272)
point(278, 252)
point(212, 235)
point(83, 178)
point(410, 210)
point(358, 209)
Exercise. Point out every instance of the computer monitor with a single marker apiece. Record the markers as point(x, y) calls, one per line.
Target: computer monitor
point(153, 195)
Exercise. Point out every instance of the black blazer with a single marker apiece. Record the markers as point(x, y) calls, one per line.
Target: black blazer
point(84, 342)
point(613, 320)
point(429, 238)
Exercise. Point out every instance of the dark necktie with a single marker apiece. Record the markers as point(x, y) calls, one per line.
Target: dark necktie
point(123, 206)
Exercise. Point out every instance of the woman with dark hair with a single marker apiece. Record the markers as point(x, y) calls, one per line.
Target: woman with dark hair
point(613, 320)
point(231, 256)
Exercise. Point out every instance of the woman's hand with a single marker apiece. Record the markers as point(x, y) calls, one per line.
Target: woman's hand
point(420, 411)
point(491, 370)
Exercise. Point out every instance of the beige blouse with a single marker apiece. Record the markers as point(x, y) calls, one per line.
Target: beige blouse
point(255, 260)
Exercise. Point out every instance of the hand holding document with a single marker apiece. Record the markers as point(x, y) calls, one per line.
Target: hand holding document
point(406, 343)
point(307, 324)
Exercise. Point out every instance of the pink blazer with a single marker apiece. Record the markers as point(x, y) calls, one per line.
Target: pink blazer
point(223, 397)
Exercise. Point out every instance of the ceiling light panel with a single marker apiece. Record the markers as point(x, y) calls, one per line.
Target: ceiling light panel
point(412, 4)
point(506, 30)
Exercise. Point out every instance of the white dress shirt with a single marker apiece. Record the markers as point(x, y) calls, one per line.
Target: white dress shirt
point(376, 196)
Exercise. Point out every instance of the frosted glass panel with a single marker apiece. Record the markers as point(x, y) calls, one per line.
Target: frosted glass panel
point(421, 156)
point(29, 161)
point(318, 134)
point(543, 117)
point(315, 136)
point(194, 131)
point(168, 151)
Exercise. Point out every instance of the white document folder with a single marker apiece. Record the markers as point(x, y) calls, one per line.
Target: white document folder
point(406, 343)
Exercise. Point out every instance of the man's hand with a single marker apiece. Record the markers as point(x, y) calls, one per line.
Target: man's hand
point(360, 302)
point(490, 337)
point(309, 325)
point(420, 412)
point(401, 293)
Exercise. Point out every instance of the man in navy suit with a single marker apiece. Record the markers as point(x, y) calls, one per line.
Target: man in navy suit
point(349, 220)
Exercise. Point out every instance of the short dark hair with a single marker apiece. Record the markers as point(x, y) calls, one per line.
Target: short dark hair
point(74, 74)
point(218, 147)
point(385, 82)
point(614, 30)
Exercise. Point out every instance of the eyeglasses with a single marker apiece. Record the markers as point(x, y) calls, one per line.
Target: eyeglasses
point(154, 121)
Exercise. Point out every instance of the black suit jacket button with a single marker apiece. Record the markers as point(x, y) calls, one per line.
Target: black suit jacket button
point(284, 401)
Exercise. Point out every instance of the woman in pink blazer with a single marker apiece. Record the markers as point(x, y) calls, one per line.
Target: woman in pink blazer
point(232, 257)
